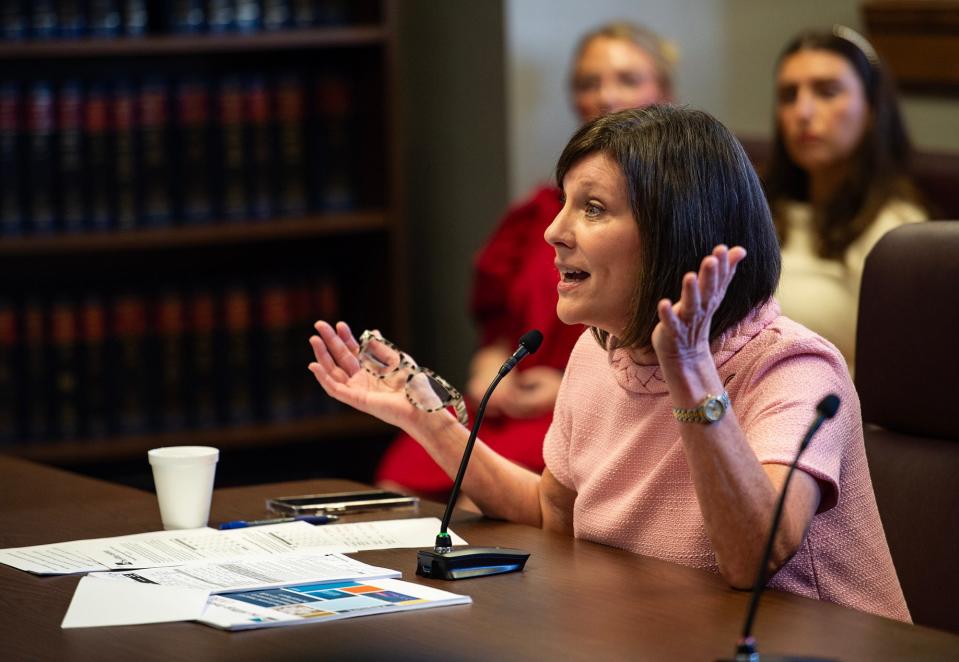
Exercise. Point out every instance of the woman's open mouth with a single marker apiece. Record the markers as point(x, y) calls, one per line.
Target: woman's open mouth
point(572, 276)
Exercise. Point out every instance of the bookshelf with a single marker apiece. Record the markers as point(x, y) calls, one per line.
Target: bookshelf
point(177, 208)
point(266, 42)
point(155, 239)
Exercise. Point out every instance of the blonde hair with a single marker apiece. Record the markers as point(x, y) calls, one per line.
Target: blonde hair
point(664, 53)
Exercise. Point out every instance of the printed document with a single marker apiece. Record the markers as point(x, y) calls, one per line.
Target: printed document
point(54, 559)
point(254, 573)
point(77, 556)
point(173, 548)
point(170, 548)
point(98, 603)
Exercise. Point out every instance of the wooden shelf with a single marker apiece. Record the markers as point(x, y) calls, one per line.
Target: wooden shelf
point(192, 45)
point(199, 235)
point(255, 435)
point(918, 40)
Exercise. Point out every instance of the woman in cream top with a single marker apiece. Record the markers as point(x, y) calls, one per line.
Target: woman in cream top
point(837, 180)
point(821, 293)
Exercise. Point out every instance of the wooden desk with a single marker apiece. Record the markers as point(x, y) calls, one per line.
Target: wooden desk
point(575, 601)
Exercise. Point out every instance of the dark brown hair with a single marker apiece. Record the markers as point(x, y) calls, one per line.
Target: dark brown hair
point(691, 187)
point(879, 165)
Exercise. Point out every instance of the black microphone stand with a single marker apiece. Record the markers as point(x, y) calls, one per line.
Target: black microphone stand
point(444, 562)
point(746, 647)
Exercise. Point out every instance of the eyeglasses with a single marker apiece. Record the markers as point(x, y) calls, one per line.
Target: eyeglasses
point(424, 388)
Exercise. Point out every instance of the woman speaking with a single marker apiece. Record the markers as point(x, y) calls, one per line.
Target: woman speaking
point(683, 404)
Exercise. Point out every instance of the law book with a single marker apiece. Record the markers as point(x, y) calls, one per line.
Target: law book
point(327, 294)
point(322, 602)
point(291, 144)
point(193, 151)
point(33, 385)
point(237, 380)
point(275, 320)
point(41, 176)
point(333, 12)
point(9, 362)
point(95, 392)
point(13, 20)
point(327, 297)
point(71, 19)
point(98, 158)
point(325, 302)
point(126, 165)
point(333, 176)
point(277, 14)
point(231, 148)
point(43, 19)
point(303, 13)
point(130, 374)
point(12, 220)
point(64, 371)
point(302, 383)
point(247, 16)
point(154, 142)
point(203, 403)
point(71, 171)
point(104, 18)
point(135, 18)
point(186, 16)
point(170, 365)
point(221, 15)
point(260, 161)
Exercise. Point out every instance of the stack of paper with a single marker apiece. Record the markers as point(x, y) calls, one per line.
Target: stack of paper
point(253, 573)
point(172, 548)
point(264, 576)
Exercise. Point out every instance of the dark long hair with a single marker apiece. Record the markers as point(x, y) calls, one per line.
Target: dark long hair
point(690, 187)
point(880, 164)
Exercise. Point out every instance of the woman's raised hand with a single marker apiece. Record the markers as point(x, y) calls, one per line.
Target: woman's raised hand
point(682, 333)
point(339, 372)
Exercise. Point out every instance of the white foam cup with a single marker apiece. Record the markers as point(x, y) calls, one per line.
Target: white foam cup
point(183, 476)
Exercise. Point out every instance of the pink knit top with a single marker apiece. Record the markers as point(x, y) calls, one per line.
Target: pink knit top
point(614, 441)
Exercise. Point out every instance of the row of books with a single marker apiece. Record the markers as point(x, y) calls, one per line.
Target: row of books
point(69, 19)
point(95, 366)
point(102, 155)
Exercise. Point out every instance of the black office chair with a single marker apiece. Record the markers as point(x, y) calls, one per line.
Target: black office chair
point(907, 375)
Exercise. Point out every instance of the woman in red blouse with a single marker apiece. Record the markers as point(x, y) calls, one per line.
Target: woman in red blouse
point(617, 66)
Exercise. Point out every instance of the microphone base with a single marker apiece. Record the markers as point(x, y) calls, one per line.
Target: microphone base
point(746, 652)
point(753, 656)
point(776, 658)
point(469, 562)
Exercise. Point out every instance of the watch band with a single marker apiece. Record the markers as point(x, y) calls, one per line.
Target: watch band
point(710, 410)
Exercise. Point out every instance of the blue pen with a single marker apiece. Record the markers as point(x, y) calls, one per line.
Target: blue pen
point(309, 519)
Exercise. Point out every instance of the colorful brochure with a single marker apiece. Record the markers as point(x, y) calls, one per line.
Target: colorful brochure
point(322, 602)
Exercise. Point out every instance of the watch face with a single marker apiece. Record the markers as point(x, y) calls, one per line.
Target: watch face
point(714, 409)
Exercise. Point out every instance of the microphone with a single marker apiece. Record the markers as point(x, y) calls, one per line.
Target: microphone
point(444, 562)
point(746, 647)
point(528, 344)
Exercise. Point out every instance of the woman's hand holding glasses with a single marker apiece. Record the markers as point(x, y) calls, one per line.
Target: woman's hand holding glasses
point(375, 377)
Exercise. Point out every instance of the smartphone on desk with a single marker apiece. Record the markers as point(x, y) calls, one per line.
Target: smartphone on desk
point(341, 503)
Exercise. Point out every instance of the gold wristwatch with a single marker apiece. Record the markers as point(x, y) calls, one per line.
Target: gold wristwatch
point(710, 410)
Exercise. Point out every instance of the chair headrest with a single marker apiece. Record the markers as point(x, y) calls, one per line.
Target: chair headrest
point(907, 339)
